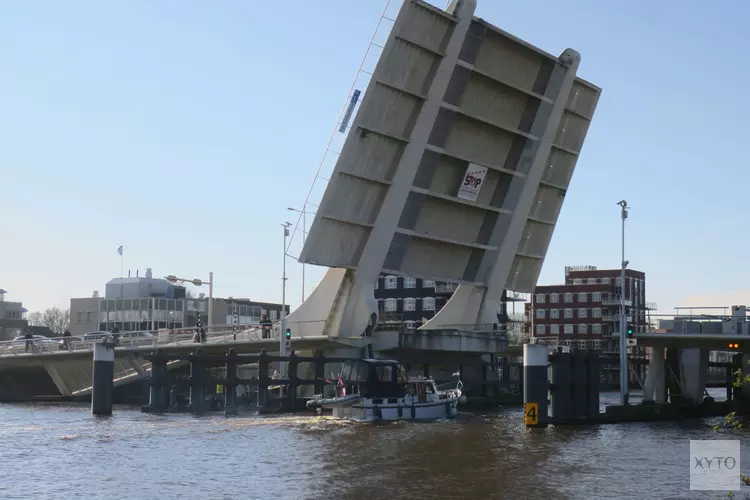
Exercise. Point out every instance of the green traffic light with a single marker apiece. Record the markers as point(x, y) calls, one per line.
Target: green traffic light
point(288, 333)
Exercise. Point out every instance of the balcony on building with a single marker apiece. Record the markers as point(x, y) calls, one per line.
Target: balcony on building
point(614, 300)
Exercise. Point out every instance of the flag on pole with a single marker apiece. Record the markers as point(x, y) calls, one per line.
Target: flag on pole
point(119, 250)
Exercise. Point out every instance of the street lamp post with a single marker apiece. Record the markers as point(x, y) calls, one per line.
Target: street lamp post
point(282, 343)
point(304, 234)
point(199, 282)
point(623, 322)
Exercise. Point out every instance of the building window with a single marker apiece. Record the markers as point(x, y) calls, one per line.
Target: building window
point(89, 317)
point(409, 325)
point(540, 298)
point(582, 313)
point(428, 284)
point(554, 313)
point(410, 304)
point(596, 328)
point(606, 281)
point(578, 281)
point(618, 281)
point(582, 344)
point(554, 329)
point(428, 303)
point(410, 283)
point(390, 305)
point(596, 296)
point(554, 298)
point(569, 298)
point(540, 330)
point(568, 313)
point(596, 313)
point(597, 344)
point(583, 297)
point(391, 282)
point(540, 313)
point(80, 317)
point(583, 328)
point(591, 281)
point(568, 329)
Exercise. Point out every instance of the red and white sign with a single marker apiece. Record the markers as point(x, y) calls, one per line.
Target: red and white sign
point(472, 182)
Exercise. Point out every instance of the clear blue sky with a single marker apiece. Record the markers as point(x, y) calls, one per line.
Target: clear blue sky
point(185, 129)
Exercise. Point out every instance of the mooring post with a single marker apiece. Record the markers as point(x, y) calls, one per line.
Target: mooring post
point(535, 385)
point(262, 380)
point(320, 373)
point(197, 389)
point(157, 385)
point(103, 373)
point(230, 388)
point(593, 382)
point(293, 381)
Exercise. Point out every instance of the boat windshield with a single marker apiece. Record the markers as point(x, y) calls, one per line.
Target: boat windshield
point(355, 371)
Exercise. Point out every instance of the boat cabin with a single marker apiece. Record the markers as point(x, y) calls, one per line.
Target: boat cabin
point(422, 389)
point(378, 378)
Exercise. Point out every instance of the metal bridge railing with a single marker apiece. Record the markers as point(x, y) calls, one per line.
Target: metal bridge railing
point(214, 334)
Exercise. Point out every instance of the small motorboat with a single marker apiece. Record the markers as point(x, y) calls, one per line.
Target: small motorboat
point(371, 390)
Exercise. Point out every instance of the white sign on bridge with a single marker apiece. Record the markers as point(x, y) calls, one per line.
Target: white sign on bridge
point(472, 182)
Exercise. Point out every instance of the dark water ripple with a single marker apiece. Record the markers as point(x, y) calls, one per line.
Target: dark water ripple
point(61, 452)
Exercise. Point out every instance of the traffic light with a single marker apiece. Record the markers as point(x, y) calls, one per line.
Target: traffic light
point(289, 334)
point(734, 346)
point(288, 343)
point(630, 330)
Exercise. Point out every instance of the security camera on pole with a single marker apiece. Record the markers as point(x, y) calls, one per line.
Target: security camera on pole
point(623, 321)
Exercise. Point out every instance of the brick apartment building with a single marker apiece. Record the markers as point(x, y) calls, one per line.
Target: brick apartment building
point(585, 310)
point(410, 301)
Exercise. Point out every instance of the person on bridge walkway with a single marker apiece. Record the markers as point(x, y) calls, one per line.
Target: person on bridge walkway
point(67, 344)
point(265, 324)
point(29, 341)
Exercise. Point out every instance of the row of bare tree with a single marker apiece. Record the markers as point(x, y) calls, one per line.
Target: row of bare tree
point(54, 318)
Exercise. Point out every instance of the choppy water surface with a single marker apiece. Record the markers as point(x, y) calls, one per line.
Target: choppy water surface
point(62, 452)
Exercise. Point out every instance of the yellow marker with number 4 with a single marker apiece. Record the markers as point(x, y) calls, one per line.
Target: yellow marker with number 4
point(530, 413)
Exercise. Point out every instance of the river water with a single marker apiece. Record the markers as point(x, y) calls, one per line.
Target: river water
point(62, 452)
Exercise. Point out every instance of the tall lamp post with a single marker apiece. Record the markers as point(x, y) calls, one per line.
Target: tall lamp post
point(623, 323)
point(199, 282)
point(282, 339)
point(304, 212)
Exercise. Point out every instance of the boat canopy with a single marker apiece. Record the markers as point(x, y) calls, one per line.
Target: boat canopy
point(375, 377)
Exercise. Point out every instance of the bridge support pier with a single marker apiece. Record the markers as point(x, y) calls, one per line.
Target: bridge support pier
point(262, 401)
point(230, 388)
point(293, 382)
point(655, 388)
point(103, 373)
point(197, 389)
point(158, 389)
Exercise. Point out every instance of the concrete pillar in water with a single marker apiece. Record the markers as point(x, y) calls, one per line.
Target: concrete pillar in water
point(197, 388)
point(158, 389)
point(230, 389)
point(694, 371)
point(293, 381)
point(103, 373)
point(262, 400)
point(655, 387)
point(535, 385)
